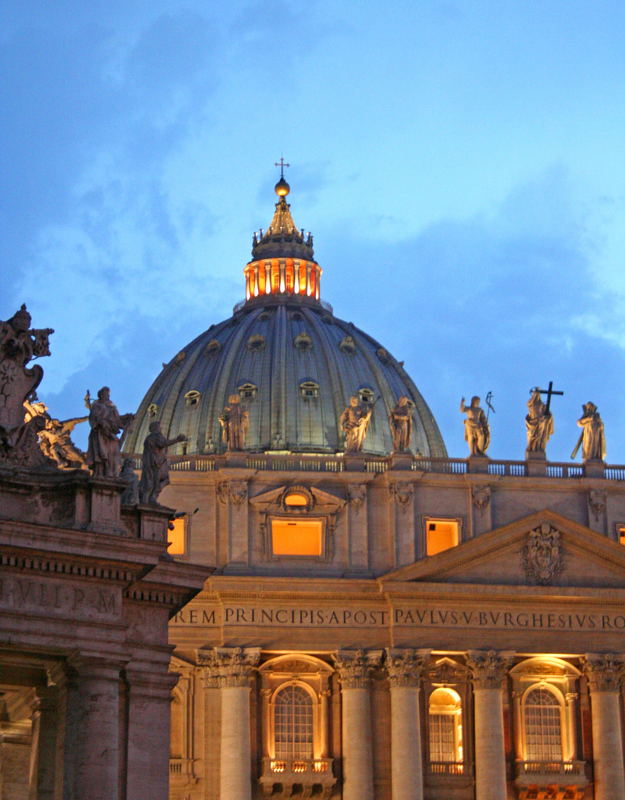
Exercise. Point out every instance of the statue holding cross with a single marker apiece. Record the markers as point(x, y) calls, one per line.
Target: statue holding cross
point(539, 419)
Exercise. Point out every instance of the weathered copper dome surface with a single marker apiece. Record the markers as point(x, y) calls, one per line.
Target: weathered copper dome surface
point(293, 362)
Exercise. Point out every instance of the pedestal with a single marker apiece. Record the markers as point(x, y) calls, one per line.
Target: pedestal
point(536, 462)
point(478, 464)
point(594, 468)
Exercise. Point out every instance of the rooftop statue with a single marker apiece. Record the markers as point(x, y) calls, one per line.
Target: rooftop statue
point(19, 344)
point(592, 437)
point(476, 427)
point(130, 495)
point(354, 422)
point(154, 465)
point(234, 422)
point(54, 437)
point(400, 420)
point(538, 424)
point(103, 452)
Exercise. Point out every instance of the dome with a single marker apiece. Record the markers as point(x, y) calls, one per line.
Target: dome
point(293, 363)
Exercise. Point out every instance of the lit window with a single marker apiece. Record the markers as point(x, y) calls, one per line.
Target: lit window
point(176, 536)
point(301, 537)
point(621, 534)
point(441, 534)
point(296, 499)
point(302, 342)
point(192, 398)
point(293, 724)
point(152, 410)
point(542, 718)
point(445, 727)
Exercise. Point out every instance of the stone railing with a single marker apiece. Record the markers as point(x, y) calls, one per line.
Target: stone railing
point(446, 767)
point(286, 778)
point(294, 462)
point(181, 768)
point(540, 773)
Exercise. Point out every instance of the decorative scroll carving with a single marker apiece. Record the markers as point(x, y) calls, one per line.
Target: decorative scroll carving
point(401, 492)
point(489, 668)
point(234, 492)
point(448, 672)
point(354, 667)
point(480, 497)
point(542, 555)
point(597, 501)
point(405, 667)
point(604, 671)
point(229, 666)
point(357, 494)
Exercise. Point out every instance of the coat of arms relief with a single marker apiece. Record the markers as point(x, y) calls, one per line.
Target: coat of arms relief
point(542, 555)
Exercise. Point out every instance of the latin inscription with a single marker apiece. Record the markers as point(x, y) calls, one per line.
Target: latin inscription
point(32, 595)
point(401, 617)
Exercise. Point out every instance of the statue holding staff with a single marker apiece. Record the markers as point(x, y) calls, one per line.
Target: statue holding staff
point(154, 464)
point(354, 422)
point(103, 452)
point(234, 422)
point(592, 437)
point(476, 427)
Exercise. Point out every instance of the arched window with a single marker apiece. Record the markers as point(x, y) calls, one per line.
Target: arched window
point(542, 720)
point(445, 727)
point(293, 724)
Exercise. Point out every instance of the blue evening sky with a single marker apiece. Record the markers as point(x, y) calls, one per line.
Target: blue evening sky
point(460, 163)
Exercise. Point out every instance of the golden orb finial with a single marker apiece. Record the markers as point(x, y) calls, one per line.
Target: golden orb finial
point(282, 188)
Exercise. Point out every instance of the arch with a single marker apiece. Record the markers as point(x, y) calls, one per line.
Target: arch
point(445, 726)
point(542, 709)
point(293, 721)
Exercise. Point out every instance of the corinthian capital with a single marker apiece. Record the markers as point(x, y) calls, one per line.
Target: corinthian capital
point(229, 666)
point(405, 667)
point(354, 667)
point(489, 668)
point(604, 671)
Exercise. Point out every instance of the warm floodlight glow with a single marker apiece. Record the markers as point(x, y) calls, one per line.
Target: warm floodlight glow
point(302, 537)
point(295, 499)
point(176, 537)
point(441, 534)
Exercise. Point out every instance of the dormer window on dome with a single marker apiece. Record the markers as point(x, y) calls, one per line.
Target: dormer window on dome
point(282, 256)
point(192, 397)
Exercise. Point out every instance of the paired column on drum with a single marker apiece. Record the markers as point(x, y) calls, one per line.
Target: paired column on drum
point(489, 672)
point(354, 669)
point(231, 669)
point(405, 668)
point(604, 674)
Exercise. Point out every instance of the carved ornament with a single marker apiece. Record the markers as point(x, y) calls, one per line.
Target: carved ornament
point(542, 555)
point(489, 668)
point(604, 672)
point(354, 667)
point(234, 492)
point(401, 492)
point(357, 494)
point(480, 497)
point(229, 666)
point(405, 667)
point(597, 502)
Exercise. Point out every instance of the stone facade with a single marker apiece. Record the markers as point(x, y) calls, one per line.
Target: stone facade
point(526, 608)
point(86, 592)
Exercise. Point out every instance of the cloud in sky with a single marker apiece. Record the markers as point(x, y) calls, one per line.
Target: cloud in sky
point(452, 160)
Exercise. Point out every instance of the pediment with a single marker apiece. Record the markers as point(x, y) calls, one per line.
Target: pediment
point(542, 549)
point(322, 502)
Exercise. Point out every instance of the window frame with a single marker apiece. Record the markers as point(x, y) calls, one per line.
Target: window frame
point(428, 519)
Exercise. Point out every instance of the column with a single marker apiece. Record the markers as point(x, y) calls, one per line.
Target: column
point(354, 668)
point(149, 721)
point(92, 731)
point(404, 673)
point(489, 672)
point(233, 668)
point(603, 674)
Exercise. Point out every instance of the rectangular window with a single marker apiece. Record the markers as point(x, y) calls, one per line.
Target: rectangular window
point(441, 534)
point(297, 537)
point(621, 534)
point(177, 536)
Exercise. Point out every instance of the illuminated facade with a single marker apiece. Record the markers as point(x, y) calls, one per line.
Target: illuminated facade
point(379, 626)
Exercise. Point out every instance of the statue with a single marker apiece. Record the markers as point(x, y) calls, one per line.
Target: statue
point(54, 437)
point(476, 428)
point(234, 423)
point(130, 495)
point(154, 466)
point(354, 422)
point(103, 453)
point(18, 346)
point(400, 420)
point(592, 437)
point(538, 424)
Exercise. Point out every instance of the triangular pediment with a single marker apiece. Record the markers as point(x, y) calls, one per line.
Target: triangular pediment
point(542, 549)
